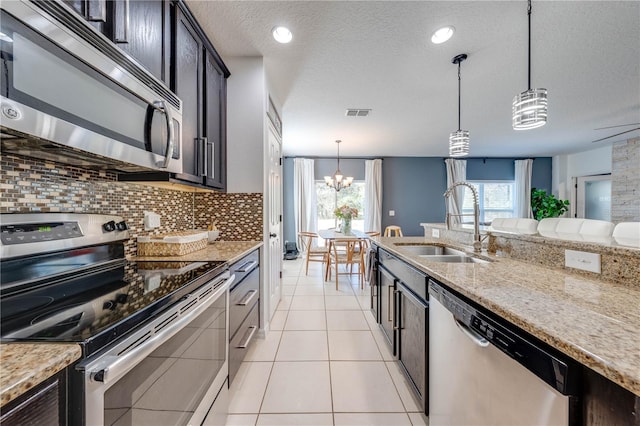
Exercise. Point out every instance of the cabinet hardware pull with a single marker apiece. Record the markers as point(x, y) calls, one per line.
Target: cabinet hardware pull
point(247, 266)
point(248, 335)
point(121, 32)
point(205, 160)
point(247, 298)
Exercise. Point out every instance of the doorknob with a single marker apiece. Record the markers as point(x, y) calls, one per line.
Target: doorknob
point(273, 235)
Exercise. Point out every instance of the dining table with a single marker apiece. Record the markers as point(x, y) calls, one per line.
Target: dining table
point(335, 236)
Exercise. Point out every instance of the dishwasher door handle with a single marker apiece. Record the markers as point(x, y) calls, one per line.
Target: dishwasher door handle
point(475, 337)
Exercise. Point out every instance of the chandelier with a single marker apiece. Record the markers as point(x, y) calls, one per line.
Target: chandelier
point(529, 107)
point(338, 181)
point(459, 140)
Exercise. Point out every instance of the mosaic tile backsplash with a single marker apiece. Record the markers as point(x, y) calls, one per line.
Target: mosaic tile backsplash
point(28, 185)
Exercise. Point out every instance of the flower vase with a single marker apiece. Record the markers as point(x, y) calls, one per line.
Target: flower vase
point(346, 225)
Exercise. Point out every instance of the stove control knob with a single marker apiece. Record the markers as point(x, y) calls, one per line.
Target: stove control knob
point(121, 298)
point(109, 226)
point(122, 226)
point(109, 304)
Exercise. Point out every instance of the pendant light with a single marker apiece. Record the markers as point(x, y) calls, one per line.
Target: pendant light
point(338, 181)
point(529, 107)
point(459, 140)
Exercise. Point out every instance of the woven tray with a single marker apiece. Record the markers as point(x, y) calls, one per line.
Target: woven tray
point(172, 244)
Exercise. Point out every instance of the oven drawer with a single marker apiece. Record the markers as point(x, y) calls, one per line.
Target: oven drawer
point(245, 266)
point(241, 300)
point(242, 341)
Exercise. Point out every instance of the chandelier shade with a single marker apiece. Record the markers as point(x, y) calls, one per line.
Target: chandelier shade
point(338, 181)
point(529, 108)
point(459, 140)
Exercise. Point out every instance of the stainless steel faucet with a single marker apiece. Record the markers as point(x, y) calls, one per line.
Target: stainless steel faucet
point(477, 240)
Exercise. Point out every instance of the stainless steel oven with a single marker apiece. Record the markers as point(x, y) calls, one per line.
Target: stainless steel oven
point(69, 95)
point(154, 335)
point(168, 372)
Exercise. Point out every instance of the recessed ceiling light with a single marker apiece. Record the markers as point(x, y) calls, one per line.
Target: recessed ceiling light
point(282, 34)
point(442, 34)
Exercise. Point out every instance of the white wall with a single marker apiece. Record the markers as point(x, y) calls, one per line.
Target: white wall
point(595, 161)
point(246, 91)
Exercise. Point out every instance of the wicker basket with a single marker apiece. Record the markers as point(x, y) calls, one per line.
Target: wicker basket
point(172, 244)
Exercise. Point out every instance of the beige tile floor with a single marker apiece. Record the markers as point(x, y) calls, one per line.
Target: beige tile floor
point(324, 361)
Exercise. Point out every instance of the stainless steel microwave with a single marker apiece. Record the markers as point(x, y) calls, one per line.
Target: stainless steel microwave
point(69, 95)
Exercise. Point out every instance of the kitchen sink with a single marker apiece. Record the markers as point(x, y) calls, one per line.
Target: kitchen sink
point(429, 250)
point(453, 259)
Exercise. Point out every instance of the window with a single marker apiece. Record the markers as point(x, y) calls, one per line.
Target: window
point(496, 199)
point(329, 200)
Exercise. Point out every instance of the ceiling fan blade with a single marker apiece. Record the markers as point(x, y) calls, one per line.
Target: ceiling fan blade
point(617, 134)
point(619, 125)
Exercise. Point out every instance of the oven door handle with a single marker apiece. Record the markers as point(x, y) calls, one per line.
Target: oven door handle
point(110, 368)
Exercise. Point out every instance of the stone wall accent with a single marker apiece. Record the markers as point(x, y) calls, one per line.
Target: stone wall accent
point(625, 181)
point(28, 185)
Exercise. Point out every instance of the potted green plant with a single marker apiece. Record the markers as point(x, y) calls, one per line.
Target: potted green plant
point(547, 205)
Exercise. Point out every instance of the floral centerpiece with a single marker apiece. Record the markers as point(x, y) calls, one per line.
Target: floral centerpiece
point(345, 213)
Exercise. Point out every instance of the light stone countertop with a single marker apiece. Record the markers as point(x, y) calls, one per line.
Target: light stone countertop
point(226, 251)
point(25, 365)
point(597, 323)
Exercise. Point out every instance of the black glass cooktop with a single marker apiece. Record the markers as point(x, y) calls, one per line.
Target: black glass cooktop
point(75, 299)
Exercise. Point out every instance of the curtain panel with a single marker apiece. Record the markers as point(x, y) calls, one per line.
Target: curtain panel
point(523, 170)
point(373, 195)
point(304, 196)
point(456, 172)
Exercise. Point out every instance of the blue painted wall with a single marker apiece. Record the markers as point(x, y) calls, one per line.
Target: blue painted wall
point(412, 186)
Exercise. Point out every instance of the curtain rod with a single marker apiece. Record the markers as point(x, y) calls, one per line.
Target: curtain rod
point(312, 157)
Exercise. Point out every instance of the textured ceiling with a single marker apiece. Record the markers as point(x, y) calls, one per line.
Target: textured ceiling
point(377, 54)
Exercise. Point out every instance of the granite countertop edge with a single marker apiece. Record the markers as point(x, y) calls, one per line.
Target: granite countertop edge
point(594, 322)
point(25, 365)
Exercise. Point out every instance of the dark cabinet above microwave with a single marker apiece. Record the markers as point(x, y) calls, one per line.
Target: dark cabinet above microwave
point(164, 37)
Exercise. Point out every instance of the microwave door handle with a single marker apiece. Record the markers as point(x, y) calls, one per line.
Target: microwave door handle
point(162, 106)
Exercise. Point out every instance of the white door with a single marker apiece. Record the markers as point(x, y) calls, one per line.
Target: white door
point(274, 208)
point(593, 197)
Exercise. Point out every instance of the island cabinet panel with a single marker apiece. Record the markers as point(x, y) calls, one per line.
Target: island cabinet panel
point(44, 405)
point(605, 403)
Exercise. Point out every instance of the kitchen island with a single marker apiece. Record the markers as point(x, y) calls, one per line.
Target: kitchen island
point(594, 322)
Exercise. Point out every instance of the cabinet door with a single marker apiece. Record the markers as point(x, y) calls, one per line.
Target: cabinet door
point(186, 84)
point(141, 28)
point(412, 340)
point(94, 11)
point(214, 123)
point(387, 306)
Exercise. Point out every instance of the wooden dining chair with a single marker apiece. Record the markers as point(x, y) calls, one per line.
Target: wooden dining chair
point(393, 229)
point(312, 253)
point(348, 252)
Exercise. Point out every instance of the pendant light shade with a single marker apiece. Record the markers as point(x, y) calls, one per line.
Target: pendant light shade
point(529, 108)
point(338, 181)
point(459, 140)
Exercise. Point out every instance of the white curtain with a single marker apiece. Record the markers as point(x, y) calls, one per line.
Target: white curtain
point(304, 195)
point(523, 169)
point(373, 195)
point(456, 172)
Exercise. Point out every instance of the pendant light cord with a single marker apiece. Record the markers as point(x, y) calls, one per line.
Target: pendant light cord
point(459, 102)
point(529, 63)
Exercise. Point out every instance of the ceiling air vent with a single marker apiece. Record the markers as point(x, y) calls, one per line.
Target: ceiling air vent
point(357, 112)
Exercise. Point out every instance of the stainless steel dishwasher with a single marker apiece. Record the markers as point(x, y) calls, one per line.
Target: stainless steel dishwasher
point(484, 371)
